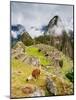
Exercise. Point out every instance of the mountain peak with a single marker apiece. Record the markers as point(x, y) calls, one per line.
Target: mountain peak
point(53, 21)
point(55, 26)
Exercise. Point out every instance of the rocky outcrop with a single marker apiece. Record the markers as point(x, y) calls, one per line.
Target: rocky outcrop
point(51, 54)
point(18, 52)
point(55, 26)
point(51, 86)
point(33, 61)
point(38, 92)
point(18, 48)
point(32, 90)
point(28, 88)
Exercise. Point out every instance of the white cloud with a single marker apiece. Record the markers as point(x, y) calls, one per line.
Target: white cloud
point(38, 15)
point(13, 33)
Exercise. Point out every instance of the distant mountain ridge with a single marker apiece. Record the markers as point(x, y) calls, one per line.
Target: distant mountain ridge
point(18, 33)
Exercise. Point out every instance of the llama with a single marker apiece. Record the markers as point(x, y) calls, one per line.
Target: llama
point(35, 74)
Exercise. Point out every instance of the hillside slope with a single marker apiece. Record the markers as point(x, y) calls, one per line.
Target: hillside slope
point(52, 79)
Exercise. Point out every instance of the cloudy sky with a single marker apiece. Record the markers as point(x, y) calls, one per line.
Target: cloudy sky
point(33, 16)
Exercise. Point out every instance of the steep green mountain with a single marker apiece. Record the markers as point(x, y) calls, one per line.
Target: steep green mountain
point(56, 35)
point(26, 39)
point(18, 33)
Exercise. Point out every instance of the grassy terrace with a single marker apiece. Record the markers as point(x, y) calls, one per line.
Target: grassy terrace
point(67, 63)
point(33, 51)
point(21, 71)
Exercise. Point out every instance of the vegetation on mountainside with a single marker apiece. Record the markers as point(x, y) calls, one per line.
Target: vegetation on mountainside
point(70, 75)
point(63, 43)
point(33, 51)
point(21, 71)
point(26, 39)
point(42, 39)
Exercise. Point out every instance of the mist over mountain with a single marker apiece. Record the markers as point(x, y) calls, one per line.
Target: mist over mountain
point(18, 33)
point(55, 26)
point(60, 36)
point(17, 30)
point(57, 35)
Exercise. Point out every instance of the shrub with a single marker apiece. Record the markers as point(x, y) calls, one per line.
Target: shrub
point(70, 76)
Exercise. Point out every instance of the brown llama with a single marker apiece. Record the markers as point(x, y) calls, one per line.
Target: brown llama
point(36, 73)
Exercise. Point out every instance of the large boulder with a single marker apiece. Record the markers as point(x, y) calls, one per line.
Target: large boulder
point(28, 88)
point(38, 92)
point(33, 61)
point(32, 90)
point(18, 51)
point(19, 47)
point(51, 86)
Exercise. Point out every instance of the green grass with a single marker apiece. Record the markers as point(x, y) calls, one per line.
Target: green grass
point(20, 72)
point(33, 51)
point(67, 64)
point(19, 79)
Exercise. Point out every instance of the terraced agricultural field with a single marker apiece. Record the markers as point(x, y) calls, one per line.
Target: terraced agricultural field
point(21, 70)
